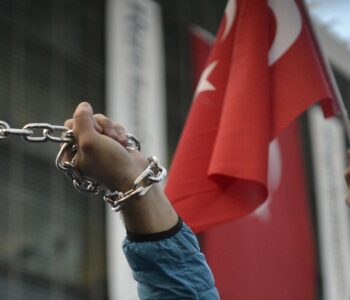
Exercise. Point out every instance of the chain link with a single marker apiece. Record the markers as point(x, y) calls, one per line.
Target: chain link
point(37, 133)
point(81, 183)
point(152, 174)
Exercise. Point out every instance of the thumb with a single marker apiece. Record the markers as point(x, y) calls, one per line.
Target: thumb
point(83, 121)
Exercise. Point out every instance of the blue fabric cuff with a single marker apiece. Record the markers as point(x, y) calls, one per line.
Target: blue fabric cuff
point(134, 237)
point(171, 268)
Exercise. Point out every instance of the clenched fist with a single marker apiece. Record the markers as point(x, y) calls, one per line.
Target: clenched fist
point(102, 154)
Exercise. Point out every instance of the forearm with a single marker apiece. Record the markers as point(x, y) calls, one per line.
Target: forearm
point(171, 266)
point(150, 213)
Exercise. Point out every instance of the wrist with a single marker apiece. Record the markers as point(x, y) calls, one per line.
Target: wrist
point(124, 177)
point(151, 175)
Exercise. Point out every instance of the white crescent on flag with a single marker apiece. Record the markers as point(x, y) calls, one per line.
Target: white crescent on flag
point(288, 27)
point(230, 13)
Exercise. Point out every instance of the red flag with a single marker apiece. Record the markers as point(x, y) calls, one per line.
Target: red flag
point(263, 71)
point(269, 254)
point(276, 237)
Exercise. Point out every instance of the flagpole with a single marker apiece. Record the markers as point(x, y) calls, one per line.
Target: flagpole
point(339, 99)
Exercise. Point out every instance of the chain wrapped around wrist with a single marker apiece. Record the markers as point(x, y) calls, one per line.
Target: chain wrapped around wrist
point(153, 173)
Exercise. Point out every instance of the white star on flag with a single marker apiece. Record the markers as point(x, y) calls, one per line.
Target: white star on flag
point(204, 84)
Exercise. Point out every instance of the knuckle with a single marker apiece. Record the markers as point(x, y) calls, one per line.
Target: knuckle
point(103, 120)
point(68, 123)
point(118, 127)
point(107, 122)
point(99, 116)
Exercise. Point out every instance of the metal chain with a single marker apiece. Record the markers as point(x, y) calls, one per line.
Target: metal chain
point(44, 132)
point(37, 133)
point(82, 183)
point(152, 174)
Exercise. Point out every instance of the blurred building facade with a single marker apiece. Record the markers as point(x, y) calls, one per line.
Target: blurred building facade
point(52, 238)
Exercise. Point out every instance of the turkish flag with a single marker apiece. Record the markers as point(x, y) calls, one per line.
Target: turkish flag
point(270, 254)
point(263, 71)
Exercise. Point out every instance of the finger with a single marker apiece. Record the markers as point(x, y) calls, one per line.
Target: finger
point(98, 127)
point(113, 130)
point(105, 123)
point(68, 123)
point(348, 200)
point(120, 134)
point(83, 122)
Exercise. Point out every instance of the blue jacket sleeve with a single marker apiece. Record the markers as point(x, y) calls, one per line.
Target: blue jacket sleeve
point(170, 268)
